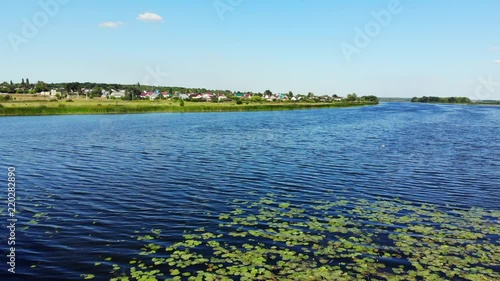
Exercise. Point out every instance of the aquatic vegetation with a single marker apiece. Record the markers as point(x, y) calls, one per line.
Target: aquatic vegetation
point(88, 276)
point(344, 238)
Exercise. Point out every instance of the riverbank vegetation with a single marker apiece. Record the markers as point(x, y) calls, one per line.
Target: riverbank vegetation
point(489, 102)
point(425, 99)
point(29, 105)
point(41, 98)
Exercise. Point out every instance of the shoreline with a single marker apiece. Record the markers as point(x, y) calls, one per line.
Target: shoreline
point(93, 108)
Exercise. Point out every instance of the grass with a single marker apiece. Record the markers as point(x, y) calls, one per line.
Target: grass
point(40, 106)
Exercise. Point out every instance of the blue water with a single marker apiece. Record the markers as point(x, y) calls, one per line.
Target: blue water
point(100, 179)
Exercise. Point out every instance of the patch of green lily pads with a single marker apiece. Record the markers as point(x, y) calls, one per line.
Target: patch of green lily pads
point(338, 239)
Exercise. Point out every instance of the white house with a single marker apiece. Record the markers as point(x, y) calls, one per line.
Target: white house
point(117, 94)
point(48, 93)
point(183, 96)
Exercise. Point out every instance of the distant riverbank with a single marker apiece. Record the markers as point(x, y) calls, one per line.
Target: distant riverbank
point(34, 108)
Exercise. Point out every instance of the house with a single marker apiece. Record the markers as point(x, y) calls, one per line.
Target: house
point(282, 96)
point(49, 93)
point(183, 96)
point(150, 95)
point(104, 94)
point(208, 96)
point(337, 98)
point(117, 94)
point(221, 98)
point(196, 96)
point(156, 94)
point(325, 98)
point(269, 97)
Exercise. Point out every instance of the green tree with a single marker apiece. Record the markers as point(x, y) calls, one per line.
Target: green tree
point(290, 94)
point(11, 88)
point(268, 93)
point(27, 82)
point(133, 93)
point(96, 92)
point(73, 87)
point(434, 99)
point(463, 100)
point(371, 98)
point(256, 98)
point(41, 87)
point(352, 97)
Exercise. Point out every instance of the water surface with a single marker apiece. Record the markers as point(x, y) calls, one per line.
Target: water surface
point(89, 186)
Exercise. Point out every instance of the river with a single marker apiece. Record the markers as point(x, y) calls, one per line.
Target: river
point(99, 195)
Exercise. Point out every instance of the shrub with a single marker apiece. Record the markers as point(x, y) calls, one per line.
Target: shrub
point(182, 103)
point(239, 102)
point(69, 100)
point(7, 97)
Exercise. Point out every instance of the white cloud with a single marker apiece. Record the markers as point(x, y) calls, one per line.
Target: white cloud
point(150, 17)
point(111, 24)
point(497, 61)
point(495, 49)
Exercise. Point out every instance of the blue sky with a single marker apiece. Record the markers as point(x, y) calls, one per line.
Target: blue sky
point(415, 48)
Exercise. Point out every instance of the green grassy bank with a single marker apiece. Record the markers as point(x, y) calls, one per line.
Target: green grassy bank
point(32, 108)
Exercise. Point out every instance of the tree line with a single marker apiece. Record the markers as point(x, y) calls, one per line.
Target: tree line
point(441, 100)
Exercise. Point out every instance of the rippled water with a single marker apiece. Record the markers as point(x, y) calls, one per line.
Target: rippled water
point(87, 185)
